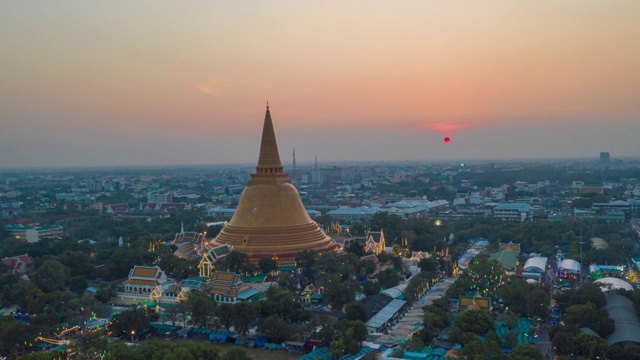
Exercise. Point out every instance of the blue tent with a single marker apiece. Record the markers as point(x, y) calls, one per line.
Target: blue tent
point(260, 341)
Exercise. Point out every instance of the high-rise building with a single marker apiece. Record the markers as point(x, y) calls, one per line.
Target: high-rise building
point(605, 158)
point(270, 220)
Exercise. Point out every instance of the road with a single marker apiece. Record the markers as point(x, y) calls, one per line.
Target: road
point(412, 321)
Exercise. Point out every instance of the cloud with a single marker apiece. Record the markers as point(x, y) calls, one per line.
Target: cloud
point(211, 88)
point(441, 127)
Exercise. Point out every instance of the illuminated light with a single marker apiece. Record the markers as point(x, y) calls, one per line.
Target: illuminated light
point(461, 164)
point(447, 139)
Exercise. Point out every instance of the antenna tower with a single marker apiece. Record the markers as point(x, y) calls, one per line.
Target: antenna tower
point(295, 174)
point(581, 242)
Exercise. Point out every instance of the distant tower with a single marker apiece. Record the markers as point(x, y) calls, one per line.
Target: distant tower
point(605, 157)
point(120, 241)
point(315, 173)
point(181, 227)
point(295, 174)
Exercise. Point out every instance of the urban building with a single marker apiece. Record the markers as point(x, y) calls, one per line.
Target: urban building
point(142, 280)
point(159, 197)
point(34, 234)
point(227, 287)
point(512, 211)
point(605, 158)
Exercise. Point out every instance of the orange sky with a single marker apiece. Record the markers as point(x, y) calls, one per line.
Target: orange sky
point(119, 77)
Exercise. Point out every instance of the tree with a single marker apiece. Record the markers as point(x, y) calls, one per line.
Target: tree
point(306, 260)
point(267, 265)
point(119, 350)
point(14, 334)
point(337, 347)
point(390, 223)
point(244, 314)
point(78, 284)
point(51, 275)
point(365, 268)
point(537, 302)
point(563, 342)
point(172, 313)
point(478, 322)
point(225, 314)
point(202, 308)
point(591, 347)
point(203, 351)
point(527, 351)
point(343, 343)
point(128, 323)
point(355, 311)
point(428, 265)
point(277, 329)
point(105, 292)
point(124, 258)
point(93, 342)
point(357, 327)
point(236, 354)
point(371, 288)
point(339, 293)
point(356, 248)
point(357, 229)
point(79, 263)
point(492, 346)
point(234, 261)
point(388, 278)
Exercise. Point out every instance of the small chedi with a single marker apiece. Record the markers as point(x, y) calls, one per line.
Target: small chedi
point(270, 220)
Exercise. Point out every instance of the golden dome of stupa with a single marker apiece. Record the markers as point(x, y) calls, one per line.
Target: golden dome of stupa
point(270, 220)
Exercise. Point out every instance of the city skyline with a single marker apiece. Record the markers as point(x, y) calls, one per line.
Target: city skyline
point(161, 83)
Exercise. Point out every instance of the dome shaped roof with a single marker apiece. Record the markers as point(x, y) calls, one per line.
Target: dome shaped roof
point(614, 283)
point(270, 220)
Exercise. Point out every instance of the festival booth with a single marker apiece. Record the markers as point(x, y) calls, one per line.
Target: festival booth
point(569, 269)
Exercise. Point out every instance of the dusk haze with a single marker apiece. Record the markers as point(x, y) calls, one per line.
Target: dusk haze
point(144, 83)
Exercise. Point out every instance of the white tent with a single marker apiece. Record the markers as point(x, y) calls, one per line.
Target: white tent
point(570, 266)
point(535, 264)
point(614, 284)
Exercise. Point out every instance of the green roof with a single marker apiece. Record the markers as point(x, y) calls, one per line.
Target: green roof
point(254, 279)
point(506, 258)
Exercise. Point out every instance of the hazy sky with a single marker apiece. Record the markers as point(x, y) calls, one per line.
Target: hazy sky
point(91, 83)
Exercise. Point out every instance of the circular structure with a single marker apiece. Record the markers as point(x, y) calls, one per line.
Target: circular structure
point(447, 139)
point(270, 220)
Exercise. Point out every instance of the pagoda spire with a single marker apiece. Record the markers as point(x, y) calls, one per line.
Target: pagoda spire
point(269, 159)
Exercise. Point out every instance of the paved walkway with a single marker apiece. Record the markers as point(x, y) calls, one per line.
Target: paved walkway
point(412, 321)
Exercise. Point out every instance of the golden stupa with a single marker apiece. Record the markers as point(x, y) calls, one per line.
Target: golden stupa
point(270, 220)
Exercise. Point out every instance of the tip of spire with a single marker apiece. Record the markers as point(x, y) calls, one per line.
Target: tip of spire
point(267, 105)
